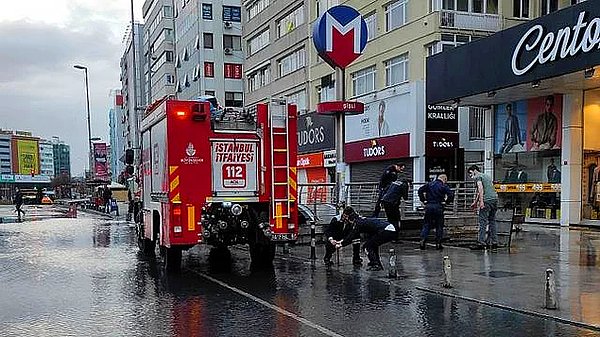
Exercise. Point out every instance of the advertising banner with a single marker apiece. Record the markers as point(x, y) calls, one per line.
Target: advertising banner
point(378, 149)
point(27, 156)
point(382, 118)
point(441, 118)
point(310, 160)
point(529, 125)
point(100, 161)
point(316, 132)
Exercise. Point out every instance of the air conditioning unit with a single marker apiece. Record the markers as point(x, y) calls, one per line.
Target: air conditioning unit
point(228, 51)
point(227, 24)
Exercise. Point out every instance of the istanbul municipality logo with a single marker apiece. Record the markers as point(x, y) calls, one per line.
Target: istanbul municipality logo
point(340, 36)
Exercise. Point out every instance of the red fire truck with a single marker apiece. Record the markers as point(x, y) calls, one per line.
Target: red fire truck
point(218, 177)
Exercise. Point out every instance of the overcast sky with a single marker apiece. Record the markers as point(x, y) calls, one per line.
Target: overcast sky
point(40, 91)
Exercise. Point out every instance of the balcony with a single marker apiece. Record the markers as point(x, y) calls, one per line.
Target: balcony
point(470, 21)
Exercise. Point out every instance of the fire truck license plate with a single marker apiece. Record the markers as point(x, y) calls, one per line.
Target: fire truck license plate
point(283, 237)
point(234, 176)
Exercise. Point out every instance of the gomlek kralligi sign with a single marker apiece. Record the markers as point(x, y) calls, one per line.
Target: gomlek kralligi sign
point(340, 35)
point(234, 164)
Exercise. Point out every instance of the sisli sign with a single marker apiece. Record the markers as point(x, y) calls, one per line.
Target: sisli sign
point(316, 132)
point(441, 118)
point(340, 36)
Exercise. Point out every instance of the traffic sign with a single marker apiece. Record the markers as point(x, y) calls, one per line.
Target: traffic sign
point(340, 36)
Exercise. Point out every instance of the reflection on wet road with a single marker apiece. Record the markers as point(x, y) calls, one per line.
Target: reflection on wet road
point(84, 277)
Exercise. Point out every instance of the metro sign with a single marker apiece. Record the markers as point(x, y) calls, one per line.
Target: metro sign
point(340, 36)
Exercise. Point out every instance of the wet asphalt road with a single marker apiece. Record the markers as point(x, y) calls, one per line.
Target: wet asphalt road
point(84, 277)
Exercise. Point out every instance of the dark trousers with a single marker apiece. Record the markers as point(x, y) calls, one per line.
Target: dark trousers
point(19, 210)
point(434, 218)
point(374, 241)
point(392, 211)
point(330, 249)
point(377, 209)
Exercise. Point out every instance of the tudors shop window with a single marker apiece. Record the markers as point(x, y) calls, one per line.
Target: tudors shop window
point(527, 147)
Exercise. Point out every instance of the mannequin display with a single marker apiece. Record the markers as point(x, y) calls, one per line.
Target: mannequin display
point(553, 173)
point(521, 176)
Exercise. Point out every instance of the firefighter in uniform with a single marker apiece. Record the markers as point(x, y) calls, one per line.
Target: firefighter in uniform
point(397, 191)
point(389, 176)
point(336, 231)
point(434, 195)
point(378, 232)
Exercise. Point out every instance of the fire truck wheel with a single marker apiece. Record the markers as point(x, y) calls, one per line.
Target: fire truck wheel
point(262, 254)
point(145, 245)
point(172, 259)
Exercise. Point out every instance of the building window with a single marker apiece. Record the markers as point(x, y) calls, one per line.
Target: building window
point(209, 92)
point(207, 13)
point(257, 7)
point(169, 79)
point(169, 56)
point(232, 13)
point(232, 42)
point(521, 8)
point(363, 81)
point(396, 70)
point(290, 21)
point(232, 70)
point(292, 62)
point(449, 41)
point(549, 6)
point(259, 78)
point(208, 40)
point(258, 42)
point(209, 69)
point(395, 15)
point(234, 99)
point(326, 93)
point(298, 98)
point(474, 6)
point(371, 20)
point(476, 123)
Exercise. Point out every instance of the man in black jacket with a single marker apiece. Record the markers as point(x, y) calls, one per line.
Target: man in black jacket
point(18, 201)
point(434, 195)
point(378, 232)
point(397, 191)
point(336, 231)
point(389, 176)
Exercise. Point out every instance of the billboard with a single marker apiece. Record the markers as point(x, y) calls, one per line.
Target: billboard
point(100, 161)
point(26, 157)
point(529, 125)
point(385, 117)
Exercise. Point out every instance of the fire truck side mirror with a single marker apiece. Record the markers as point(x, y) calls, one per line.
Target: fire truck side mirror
point(200, 111)
point(129, 156)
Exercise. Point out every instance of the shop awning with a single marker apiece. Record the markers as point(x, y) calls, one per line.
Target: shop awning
point(547, 55)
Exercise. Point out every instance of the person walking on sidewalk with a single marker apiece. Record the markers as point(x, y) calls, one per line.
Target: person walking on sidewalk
point(378, 232)
point(107, 198)
point(434, 195)
point(394, 194)
point(18, 201)
point(337, 230)
point(389, 176)
point(486, 203)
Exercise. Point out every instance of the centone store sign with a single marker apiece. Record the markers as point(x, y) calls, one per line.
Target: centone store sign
point(556, 44)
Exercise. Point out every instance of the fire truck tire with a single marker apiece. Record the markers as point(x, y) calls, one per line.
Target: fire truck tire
point(145, 245)
point(172, 259)
point(262, 254)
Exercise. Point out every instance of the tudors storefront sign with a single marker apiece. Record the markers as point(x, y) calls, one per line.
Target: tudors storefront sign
point(316, 132)
point(560, 43)
point(567, 42)
point(378, 149)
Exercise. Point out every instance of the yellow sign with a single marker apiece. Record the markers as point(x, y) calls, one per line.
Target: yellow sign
point(28, 156)
point(527, 188)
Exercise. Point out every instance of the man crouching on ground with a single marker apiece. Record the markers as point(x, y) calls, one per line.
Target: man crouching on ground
point(378, 232)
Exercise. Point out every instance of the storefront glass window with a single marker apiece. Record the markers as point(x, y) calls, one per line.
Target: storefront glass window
point(590, 187)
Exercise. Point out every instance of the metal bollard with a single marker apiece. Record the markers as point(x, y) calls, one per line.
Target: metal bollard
point(550, 300)
point(393, 273)
point(286, 248)
point(447, 273)
point(313, 241)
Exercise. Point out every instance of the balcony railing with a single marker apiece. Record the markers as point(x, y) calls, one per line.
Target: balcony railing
point(471, 21)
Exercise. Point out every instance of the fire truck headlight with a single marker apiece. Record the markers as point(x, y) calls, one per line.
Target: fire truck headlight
point(177, 229)
point(206, 233)
point(226, 204)
point(244, 224)
point(222, 224)
point(236, 209)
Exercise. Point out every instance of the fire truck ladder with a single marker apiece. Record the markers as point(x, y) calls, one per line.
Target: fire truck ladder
point(279, 130)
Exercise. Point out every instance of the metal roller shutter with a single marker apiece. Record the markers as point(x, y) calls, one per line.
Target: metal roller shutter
point(371, 171)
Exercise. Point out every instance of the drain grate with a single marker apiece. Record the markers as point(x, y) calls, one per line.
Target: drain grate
point(499, 273)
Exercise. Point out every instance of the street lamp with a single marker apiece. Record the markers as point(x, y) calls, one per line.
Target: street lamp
point(87, 95)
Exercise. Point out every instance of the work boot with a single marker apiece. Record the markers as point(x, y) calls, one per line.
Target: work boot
point(357, 261)
point(375, 267)
point(422, 245)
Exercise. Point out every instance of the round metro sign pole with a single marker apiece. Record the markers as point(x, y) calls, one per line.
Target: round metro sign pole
point(340, 36)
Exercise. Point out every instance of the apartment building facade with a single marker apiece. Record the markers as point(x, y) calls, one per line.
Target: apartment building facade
point(209, 57)
point(133, 87)
point(62, 157)
point(159, 48)
point(117, 133)
point(5, 152)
